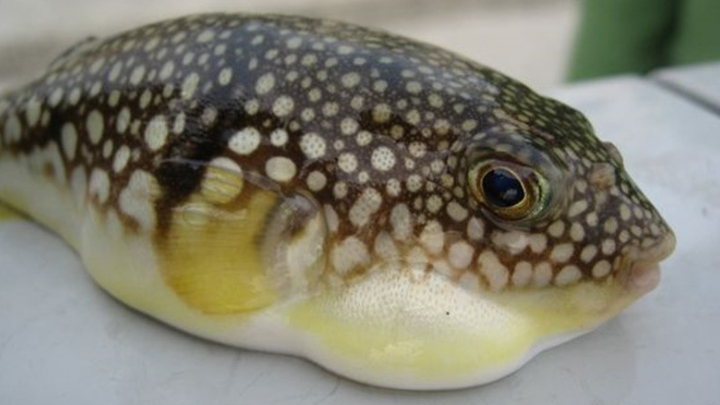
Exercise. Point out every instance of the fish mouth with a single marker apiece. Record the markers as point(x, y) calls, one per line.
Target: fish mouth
point(643, 273)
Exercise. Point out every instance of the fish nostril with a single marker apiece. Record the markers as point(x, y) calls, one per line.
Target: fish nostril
point(614, 153)
point(602, 175)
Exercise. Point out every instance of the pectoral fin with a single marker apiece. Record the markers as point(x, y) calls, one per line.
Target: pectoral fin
point(210, 255)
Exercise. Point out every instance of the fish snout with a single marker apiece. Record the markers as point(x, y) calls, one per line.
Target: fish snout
point(642, 274)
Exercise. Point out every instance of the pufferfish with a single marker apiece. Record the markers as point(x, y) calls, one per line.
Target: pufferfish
point(391, 211)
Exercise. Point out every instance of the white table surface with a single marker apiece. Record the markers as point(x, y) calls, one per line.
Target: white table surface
point(64, 341)
point(699, 82)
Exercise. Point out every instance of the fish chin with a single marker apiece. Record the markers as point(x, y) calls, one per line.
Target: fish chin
point(409, 329)
point(643, 277)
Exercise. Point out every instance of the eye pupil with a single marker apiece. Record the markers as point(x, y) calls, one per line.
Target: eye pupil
point(502, 188)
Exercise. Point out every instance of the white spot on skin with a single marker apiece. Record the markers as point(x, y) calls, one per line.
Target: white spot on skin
point(99, 185)
point(350, 79)
point(537, 242)
point(314, 95)
point(69, 138)
point(115, 71)
point(349, 254)
point(167, 70)
point(209, 116)
point(380, 86)
point(385, 248)
point(347, 162)
point(577, 208)
point(601, 269)
point(137, 75)
point(413, 87)
point(340, 190)
point(456, 211)
point(349, 126)
point(393, 187)
point(179, 124)
point(512, 241)
point(435, 100)
point(114, 98)
point(294, 42)
point(577, 232)
point(280, 168)
point(610, 226)
point(542, 274)
point(588, 253)
point(469, 282)
point(145, 99)
point(97, 65)
point(433, 203)
point(365, 206)
point(331, 218)
point(494, 272)
point(33, 110)
point(330, 109)
point(74, 96)
point(283, 106)
point(123, 120)
point(556, 229)
point(522, 274)
point(279, 137)
point(223, 181)
point(137, 198)
point(363, 177)
point(206, 36)
point(156, 133)
point(316, 181)
point(225, 76)
point(121, 159)
point(568, 275)
point(475, 229)
point(95, 126)
point(608, 246)
point(460, 254)
point(624, 212)
point(414, 182)
point(245, 141)
point(189, 86)
point(265, 83)
point(56, 97)
point(592, 219)
point(313, 145)
point(401, 222)
point(107, 148)
point(562, 253)
point(383, 159)
point(381, 113)
point(345, 49)
point(432, 237)
point(152, 44)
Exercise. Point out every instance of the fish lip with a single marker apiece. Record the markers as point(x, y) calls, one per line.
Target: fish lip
point(660, 251)
point(643, 273)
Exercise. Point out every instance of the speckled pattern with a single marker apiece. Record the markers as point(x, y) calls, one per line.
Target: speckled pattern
point(387, 140)
point(378, 129)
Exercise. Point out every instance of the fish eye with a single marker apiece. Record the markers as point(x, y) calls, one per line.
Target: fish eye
point(510, 191)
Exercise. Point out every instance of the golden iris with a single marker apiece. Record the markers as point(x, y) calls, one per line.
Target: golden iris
point(510, 191)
